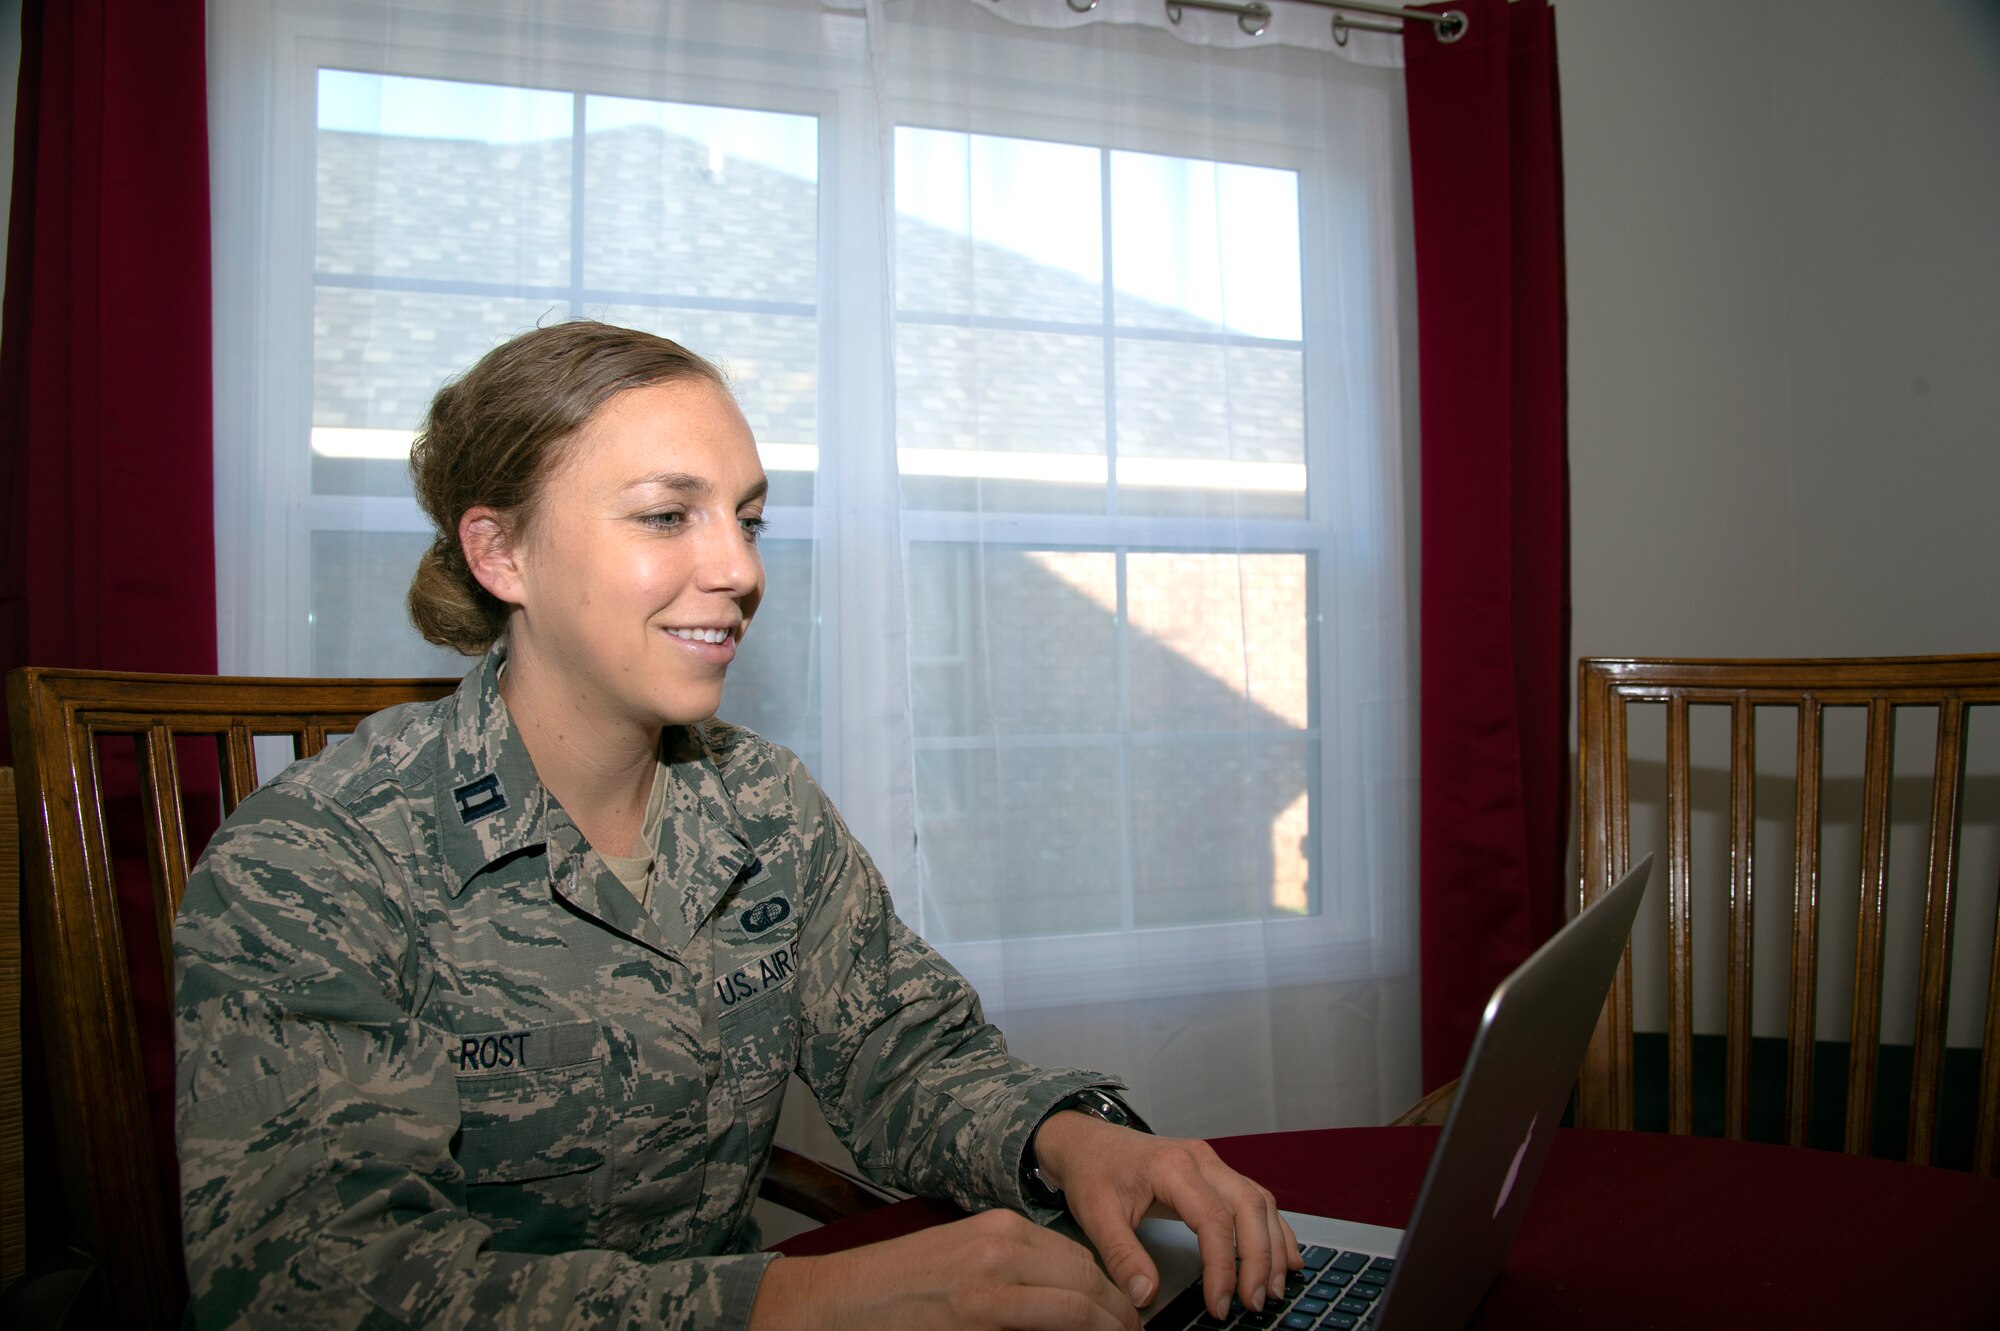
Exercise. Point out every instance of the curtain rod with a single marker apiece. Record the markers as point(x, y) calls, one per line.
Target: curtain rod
point(1254, 16)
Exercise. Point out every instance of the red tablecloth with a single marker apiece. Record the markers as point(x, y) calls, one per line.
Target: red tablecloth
point(1641, 1230)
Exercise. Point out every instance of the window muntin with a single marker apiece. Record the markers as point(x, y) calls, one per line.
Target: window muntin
point(1088, 335)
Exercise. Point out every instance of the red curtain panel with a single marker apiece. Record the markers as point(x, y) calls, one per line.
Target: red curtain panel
point(107, 509)
point(1485, 169)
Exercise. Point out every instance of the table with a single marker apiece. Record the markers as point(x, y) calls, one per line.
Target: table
point(1641, 1230)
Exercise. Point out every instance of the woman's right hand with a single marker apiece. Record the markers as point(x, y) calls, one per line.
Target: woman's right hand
point(993, 1272)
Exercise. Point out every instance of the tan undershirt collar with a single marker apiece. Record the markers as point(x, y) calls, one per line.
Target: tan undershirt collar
point(636, 871)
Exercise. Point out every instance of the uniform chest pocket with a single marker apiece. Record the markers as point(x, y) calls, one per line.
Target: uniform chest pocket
point(758, 998)
point(531, 1132)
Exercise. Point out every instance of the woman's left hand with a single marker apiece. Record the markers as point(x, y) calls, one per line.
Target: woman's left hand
point(1114, 1177)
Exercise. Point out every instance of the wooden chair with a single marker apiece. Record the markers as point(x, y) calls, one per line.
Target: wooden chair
point(1952, 688)
point(13, 1203)
point(1428, 1111)
point(117, 1204)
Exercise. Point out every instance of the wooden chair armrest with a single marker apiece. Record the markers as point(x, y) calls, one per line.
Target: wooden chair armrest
point(1428, 1112)
point(815, 1190)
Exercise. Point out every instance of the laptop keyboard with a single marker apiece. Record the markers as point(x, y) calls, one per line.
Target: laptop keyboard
point(1337, 1291)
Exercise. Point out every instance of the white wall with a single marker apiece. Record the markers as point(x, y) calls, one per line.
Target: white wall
point(1784, 292)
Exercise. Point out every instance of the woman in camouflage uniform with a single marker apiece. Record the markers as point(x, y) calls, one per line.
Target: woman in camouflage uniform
point(485, 1014)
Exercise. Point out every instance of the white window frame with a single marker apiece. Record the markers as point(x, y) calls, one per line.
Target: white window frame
point(1350, 931)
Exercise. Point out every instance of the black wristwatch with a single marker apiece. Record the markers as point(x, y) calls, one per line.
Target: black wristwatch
point(1098, 1104)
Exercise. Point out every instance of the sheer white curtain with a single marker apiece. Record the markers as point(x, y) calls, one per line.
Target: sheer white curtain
point(1078, 356)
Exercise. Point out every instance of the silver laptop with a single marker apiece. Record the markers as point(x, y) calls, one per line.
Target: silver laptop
point(1516, 1083)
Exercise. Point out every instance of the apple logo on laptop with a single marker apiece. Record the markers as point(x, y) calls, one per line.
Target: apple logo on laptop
point(1514, 1170)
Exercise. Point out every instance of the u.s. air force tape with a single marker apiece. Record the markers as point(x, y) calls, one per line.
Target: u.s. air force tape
point(773, 970)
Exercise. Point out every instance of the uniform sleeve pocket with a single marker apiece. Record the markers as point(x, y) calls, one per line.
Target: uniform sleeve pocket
point(263, 1099)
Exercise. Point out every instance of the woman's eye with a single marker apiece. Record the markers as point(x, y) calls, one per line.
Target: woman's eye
point(672, 519)
point(753, 527)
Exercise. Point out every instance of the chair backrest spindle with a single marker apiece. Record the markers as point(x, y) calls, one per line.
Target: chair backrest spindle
point(1742, 913)
point(165, 815)
point(1865, 1030)
point(236, 753)
point(1680, 919)
point(1802, 1007)
point(1986, 1128)
point(1940, 911)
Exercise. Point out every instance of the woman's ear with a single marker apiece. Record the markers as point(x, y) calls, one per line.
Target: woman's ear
point(490, 553)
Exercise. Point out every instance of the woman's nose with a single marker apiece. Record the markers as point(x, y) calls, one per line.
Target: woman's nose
point(729, 559)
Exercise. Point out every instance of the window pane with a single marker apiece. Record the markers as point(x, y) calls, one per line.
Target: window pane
point(1020, 842)
point(1012, 641)
point(378, 356)
point(1211, 431)
point(1011, 228)
point(701, 201)
point(998, 420)
point(772, 361)
point(359, 626)
point(409, 170)
point(1020, 653)
point(1219, 641)
point(1202, 254)
point(1205, 245)
point(1206, 859)
point(773, 685)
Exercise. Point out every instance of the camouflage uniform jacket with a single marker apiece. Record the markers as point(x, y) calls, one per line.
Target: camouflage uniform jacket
point(437, 1067)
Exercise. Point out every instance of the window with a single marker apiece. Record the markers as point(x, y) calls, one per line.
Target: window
point(1081, 432)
